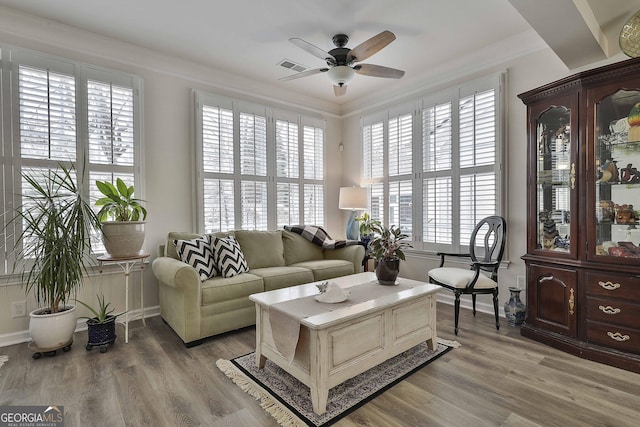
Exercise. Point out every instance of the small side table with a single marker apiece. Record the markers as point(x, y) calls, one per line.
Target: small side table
point(127, 264)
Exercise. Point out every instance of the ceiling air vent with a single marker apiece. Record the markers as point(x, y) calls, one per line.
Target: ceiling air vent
point(294, 66)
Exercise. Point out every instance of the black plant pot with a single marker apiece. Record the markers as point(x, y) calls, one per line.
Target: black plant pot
point(101, 334)
point(387, 271)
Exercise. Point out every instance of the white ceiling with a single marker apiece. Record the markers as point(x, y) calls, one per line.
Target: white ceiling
point(248, 38)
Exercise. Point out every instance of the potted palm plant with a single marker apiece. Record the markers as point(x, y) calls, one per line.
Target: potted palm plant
point(101, 328)
point(53, 252)
point(386, 248)
point(122, 217)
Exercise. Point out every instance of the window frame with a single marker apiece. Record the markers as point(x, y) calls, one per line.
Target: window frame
point(272, 115)
point(418, 176)
point(13, 163)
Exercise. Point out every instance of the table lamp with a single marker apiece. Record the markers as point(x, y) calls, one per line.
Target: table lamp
point(353, 198)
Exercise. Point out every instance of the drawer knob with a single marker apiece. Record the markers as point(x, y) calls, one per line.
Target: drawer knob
point(618, 336)
point(609, 310)
point(610, 286)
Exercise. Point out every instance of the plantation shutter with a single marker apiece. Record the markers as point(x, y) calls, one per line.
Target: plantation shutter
point(253, 168)
point(400, 167)
point(47, 110)
point(218, 167)
point(477, 130)
point(110, 123)
point(313, 174)
point(261, 168)
point(373, 167)
point(437, 163)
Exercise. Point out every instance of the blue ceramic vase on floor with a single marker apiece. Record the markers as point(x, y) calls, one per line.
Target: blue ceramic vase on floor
point(514, 309)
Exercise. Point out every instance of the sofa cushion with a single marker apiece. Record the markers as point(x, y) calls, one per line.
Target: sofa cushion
point(170, 247)
point(197, 253)
point(283, 277)
point(299, 249)
point(261, 248)
point(327, 269)
point(228, 257)
point(220, 289)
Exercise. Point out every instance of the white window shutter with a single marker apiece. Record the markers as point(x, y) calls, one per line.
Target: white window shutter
point(47, 103)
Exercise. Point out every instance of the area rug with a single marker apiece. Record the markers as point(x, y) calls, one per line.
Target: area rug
point(289, 401)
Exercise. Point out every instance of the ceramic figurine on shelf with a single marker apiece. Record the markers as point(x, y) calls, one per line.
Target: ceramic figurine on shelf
point(629, 175)
point(634, 123)
point(625, 214)
point(609, 171)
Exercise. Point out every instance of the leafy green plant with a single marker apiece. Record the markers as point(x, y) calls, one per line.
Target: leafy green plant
point(53, 249)
point(388, 244)
point(367, 224)
point(100, 314)
point(119, 203)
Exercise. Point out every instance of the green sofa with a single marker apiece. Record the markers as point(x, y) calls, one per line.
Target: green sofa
point(197, 309)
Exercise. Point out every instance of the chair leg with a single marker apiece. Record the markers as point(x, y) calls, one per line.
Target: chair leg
point(473, 298)
point(495, 308)
point(457, 311)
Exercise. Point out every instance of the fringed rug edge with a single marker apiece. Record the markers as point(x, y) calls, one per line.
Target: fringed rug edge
point(279, 412)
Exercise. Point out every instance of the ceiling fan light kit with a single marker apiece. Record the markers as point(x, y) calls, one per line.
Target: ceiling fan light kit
point(340, 61)
point(340, 75)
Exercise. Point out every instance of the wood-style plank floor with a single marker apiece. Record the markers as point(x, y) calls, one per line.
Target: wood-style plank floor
point(497, 378)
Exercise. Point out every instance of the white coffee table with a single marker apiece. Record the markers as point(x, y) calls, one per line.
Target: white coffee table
point(337, 345)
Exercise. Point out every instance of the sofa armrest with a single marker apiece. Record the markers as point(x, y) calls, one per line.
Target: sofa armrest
point(176, 274)
point(180, 297)
point(353, 253)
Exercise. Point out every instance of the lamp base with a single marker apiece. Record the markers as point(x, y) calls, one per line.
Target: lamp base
point(353, 227)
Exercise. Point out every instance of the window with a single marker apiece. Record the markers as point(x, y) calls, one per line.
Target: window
point(432, 167)
point(64, 112)
point(260, 168)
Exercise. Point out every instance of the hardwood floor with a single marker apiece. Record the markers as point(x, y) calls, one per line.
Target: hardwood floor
point(497, 378)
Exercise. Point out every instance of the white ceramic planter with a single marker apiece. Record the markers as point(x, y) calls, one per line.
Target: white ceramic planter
point(122, 239)
point(52, 331)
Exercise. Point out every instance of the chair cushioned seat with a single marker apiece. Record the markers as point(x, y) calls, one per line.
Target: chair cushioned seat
point(459, 278)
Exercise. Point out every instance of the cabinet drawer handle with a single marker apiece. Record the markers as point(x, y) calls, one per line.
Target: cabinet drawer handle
point(618, 336)
point(610, 286)
point(572, 301)
point(609, 310)
point(573, 176)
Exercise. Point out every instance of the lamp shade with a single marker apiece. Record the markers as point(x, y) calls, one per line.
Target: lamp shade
point(353, 198)
point(340, 75)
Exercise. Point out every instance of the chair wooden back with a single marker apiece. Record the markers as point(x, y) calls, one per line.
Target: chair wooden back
point(491, 235)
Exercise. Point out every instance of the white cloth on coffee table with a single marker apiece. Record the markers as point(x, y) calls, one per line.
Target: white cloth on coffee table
point(285, 317)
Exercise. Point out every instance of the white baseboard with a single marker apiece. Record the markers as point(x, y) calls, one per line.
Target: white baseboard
point(23, 336)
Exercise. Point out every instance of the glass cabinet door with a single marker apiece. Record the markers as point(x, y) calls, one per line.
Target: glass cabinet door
point(555, 180)
point(617, 177)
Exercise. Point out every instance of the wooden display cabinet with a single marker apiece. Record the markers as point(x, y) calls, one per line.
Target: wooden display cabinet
point(583, 211)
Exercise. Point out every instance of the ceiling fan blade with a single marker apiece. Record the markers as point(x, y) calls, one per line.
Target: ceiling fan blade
point(378, 71)
point(304, 74)
point(312, 49)
point(369, 47)
point(339, 90)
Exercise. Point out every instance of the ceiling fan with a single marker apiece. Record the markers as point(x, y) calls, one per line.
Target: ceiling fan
point(340, 60)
